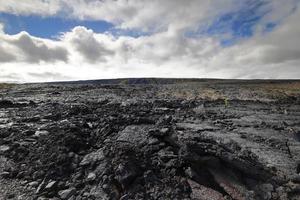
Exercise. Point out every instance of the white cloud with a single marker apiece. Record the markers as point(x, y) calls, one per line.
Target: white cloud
point(5, 56)
point(84, 42)
point(29, 7)
point(1, 28)
point(141, 14)
point(167, 52)
point(150, 15)
point(26, 48)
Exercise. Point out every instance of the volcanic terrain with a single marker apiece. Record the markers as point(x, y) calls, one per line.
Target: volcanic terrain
point(150, 139)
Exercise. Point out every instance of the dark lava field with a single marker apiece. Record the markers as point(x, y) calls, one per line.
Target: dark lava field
point(150, 139)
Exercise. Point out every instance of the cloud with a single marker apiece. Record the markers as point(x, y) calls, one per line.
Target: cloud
point(5, 56)
point(150, 15)
point(167, 50)
point(9, 76)
point(84, 42)
point(280, 9)
point(31, 49)
point(31, 7)
point(279, 46)
point(1, 28)
point(145, 15)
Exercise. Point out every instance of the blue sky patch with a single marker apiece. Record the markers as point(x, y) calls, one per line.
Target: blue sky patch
point(48, 27)
point(238, 24)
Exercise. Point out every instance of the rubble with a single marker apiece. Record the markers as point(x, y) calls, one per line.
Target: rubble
point(128, 142)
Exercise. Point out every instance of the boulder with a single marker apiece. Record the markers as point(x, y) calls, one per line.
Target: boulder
point(92, 158)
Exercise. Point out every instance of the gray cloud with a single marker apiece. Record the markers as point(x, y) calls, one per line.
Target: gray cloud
point(279, 46)
point(6, 56)
point(8, 77)
point(280, 55)
point(35, 50)
point(85, 43)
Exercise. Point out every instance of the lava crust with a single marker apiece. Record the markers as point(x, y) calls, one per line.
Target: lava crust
point(207, 140)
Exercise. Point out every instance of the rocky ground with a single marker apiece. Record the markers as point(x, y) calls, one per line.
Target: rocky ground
point(207, 140)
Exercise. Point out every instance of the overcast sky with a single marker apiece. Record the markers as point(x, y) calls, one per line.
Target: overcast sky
point(53, 40)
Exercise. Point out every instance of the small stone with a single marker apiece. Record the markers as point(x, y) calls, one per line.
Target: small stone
point(164, 131)
point(104, 178)
point(38, 174)
point(51, 185)
point(86, 194)
point(21, 197)
point(159, 133)
point(189, 172)
point(153, 141)
point(107, 140)
point(91, 177)
point(33, 184)
point(5, 174)
point(24, 182)
point(41, 133)
point(42, 198)
point(40, 187)
point(4, 148)
point(67, 194)
point(71, 155)
point(125, 197)
point(90, 125)
point(105, 186)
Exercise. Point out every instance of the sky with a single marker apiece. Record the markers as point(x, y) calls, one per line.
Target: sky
point(59, 40)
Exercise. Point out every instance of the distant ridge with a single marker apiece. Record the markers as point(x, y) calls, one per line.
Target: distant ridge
point(142, 81)
point(158, 81)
